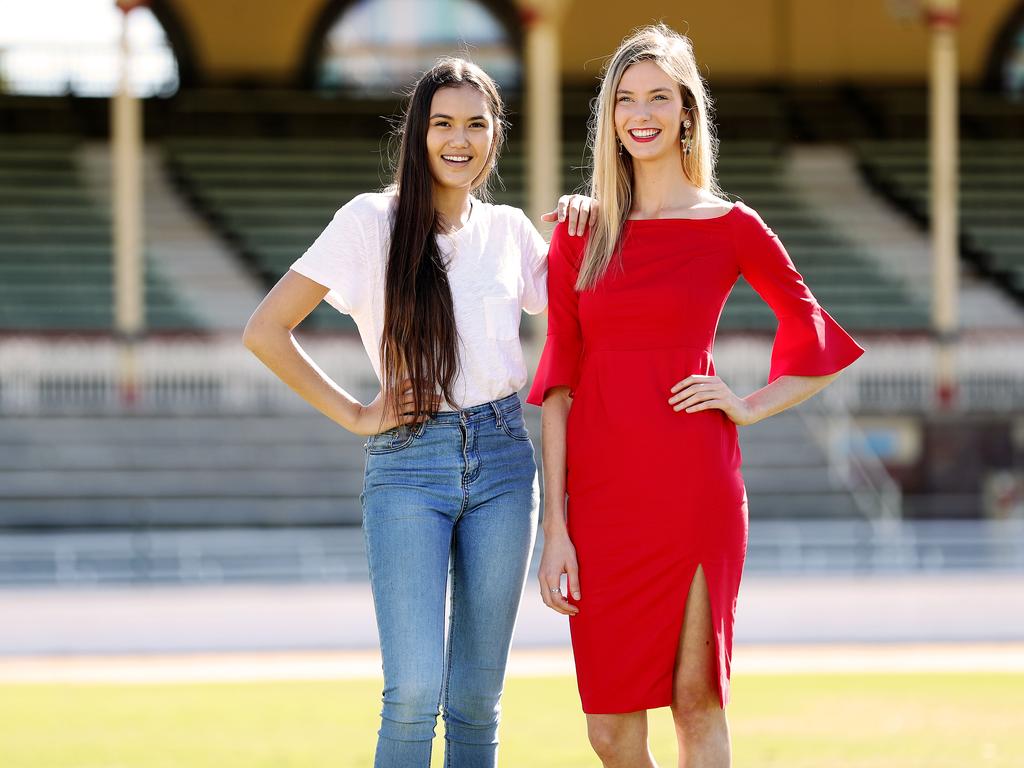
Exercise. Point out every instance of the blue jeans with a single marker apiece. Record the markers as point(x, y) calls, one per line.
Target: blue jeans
point(450, 503)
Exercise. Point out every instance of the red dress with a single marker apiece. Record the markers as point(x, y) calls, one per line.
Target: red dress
point(653, 493)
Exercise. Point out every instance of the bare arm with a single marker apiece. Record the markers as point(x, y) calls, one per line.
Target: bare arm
point(553, 420)
point(268, 335)
point(784, 393)
point(559, 554)
point(699, 393)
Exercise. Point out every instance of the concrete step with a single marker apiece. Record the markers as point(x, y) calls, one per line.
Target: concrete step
point(828, 181)
point(786, 505)
point(172, 483)
point(289, 470)
point(197, 511)
point(163, 429)
point(203, 269)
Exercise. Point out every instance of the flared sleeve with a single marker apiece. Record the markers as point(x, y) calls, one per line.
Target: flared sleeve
point(563, 349)
point(808, 342)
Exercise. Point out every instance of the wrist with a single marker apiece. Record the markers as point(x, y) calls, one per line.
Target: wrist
point(751, 410)
point(554, 524)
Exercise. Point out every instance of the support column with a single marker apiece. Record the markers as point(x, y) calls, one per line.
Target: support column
point(542, 106)
point(942, 18)
point(126, 176)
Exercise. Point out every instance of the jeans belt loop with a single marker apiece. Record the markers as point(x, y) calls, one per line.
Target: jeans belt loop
point(498, 418)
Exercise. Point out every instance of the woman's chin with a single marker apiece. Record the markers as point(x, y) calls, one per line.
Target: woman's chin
point(642, 154)
point(455, 181)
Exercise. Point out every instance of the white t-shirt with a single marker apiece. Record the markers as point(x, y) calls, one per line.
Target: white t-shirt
point(497, 267)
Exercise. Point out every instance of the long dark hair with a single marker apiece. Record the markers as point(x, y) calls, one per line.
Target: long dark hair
point(420, 340)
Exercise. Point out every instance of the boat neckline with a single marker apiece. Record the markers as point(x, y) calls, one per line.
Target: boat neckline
point(710, 218)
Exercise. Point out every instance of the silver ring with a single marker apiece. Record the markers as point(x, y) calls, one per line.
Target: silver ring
point(555, 589)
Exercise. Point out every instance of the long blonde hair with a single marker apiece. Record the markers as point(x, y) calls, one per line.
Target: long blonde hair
point(611, 180)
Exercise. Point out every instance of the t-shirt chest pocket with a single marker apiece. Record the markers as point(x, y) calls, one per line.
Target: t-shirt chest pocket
point(501, 316)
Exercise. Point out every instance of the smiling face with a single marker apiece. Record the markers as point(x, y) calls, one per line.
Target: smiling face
point(460, 137)
point(648, 111)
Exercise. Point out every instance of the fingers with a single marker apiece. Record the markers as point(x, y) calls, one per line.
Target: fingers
point(699, 393)
point(574, 215)
point(573, 209)
point(563, 204)
point(707, 405)
point(558, 214)
point(407, 403)
point(694, 394)
point(701, 405)
point(551, 594)
point(692, 384)
point(578, 214)
point(696, 378)
point(686, 401)
point(573, 573)
point(586, 209)
point(407, 412)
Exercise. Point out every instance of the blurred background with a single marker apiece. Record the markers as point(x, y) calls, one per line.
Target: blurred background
point(162, 165)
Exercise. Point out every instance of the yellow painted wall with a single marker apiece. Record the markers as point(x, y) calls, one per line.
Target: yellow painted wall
point(793, 40)
point(259, 40)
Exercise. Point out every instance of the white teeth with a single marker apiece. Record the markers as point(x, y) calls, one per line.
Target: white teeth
point(456, 158)
point(644, 133)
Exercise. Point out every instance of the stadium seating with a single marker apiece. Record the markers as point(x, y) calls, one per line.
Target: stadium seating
point(55, 247)
point(991, 198)
point(844, 280)
point(219, 471)
point(272, 197)
point(901, 113)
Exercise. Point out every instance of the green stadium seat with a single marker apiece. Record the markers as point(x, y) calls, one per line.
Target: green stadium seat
point(991, 197)
point(55, 247)
point(271, 198)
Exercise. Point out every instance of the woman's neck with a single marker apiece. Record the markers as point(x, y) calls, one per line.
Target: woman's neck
point(660, 185)
point(452, 206)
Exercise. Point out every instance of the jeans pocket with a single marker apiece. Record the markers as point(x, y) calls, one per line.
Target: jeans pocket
point(391, 441)
point(513, 425)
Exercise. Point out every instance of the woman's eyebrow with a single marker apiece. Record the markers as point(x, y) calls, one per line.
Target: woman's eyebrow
point(653, 90)
point(449, 117)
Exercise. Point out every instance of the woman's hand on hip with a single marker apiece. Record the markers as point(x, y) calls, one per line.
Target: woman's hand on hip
point(559, 557)
point(701, 393)
point(575, 209)
point(379, 416)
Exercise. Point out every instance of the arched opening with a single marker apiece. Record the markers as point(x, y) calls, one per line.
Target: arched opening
point(378, 47)
point(72, 48)
point(1005, 71)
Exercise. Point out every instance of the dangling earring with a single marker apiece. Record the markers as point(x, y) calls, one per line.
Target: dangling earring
point(686, 141)
point(619, 142)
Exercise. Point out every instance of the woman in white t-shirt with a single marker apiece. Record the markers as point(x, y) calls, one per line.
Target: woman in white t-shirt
point(436, 280)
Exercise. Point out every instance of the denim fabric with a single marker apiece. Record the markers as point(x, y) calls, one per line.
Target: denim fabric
point(449, 505)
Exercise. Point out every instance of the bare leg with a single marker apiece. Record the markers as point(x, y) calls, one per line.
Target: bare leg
point(621, 740)
point(701, 726)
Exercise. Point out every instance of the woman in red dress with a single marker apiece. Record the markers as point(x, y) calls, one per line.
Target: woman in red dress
point(639, 433)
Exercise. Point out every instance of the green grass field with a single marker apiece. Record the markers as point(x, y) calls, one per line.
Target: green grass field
point(796, 721)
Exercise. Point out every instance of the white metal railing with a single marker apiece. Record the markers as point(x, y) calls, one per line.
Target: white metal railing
point(336, 554)
point(217, 373)
point(173, 376)
point(852, 461)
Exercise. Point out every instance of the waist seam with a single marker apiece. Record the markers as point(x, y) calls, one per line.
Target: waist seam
point(591, 348)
